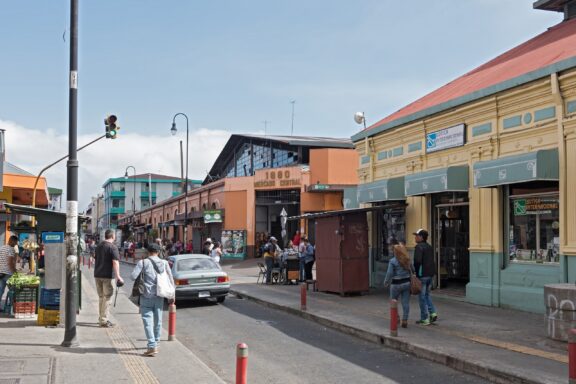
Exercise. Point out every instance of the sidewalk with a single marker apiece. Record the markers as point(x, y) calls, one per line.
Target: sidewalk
point(33, 355)
point(504, 346)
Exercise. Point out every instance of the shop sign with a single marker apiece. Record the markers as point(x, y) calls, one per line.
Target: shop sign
point(213, 216)
point(52, 237)
point(535, 206)
point(320, 187)
point(446, 138)
point(276, 178)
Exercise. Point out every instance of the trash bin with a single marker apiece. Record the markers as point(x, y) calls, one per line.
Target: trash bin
point(292, 267)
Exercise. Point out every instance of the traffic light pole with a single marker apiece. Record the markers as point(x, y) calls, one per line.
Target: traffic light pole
point(70, 339)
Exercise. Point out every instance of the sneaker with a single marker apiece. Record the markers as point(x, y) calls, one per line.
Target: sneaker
point(433, 317)
point(423, 322)
point(107, 324)
point(150, 352)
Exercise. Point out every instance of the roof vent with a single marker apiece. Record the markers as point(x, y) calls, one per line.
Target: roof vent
point(568, 7)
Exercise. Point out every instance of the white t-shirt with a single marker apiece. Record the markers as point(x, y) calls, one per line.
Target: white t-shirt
point(215, 254)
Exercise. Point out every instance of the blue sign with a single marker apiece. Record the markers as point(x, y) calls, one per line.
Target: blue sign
point(52, 237)
point(446, 138)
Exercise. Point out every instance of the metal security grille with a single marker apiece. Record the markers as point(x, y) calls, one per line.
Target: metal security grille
point(290, 196)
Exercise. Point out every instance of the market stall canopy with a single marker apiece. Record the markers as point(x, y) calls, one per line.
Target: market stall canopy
point(47, 220)
point(347, 211)
point(382, 190)
point(23, 186)
point(539, 165)
point(451, 179)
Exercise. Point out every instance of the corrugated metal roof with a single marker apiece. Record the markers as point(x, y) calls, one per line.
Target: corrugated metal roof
point(306, 141)
point(553, 50)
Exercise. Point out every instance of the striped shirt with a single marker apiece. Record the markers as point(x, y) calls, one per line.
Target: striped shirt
point(6, 252)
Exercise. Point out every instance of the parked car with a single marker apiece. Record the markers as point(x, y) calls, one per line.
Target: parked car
point(198, 277)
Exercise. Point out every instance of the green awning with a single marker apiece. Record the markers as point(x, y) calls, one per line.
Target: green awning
point(382, 190)
point(451, 179)
point(350, 199)
point(539, 165)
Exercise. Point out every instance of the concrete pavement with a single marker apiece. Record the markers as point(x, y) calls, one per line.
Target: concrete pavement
point(503, 346)
point(32, 354)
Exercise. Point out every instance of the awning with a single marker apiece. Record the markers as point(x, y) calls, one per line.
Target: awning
point(539, 165)
point(382, 190)
point(451, 179)
point(347, 211)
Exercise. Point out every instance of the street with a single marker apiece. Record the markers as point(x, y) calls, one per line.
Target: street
point(287, 349)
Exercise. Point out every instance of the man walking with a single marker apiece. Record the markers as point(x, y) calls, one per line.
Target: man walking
point(151, 305)
point(7, 263)
point(106, 265)
point(425, 270)
point(270, 254)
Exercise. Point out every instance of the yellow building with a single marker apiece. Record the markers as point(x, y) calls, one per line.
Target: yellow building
point(486, 163)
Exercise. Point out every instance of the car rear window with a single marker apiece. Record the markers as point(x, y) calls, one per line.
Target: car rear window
point(196, 265)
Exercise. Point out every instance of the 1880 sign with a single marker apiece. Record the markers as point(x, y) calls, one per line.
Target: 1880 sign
point(276, 178)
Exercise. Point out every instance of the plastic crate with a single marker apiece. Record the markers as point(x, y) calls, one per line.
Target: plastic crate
point(25, 294)
point(24, 310)
point(48, 317)
point(49, 298)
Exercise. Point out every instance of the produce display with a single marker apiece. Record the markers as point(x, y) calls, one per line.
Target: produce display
point(19, 280)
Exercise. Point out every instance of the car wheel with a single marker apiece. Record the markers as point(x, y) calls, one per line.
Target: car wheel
point(221, 299)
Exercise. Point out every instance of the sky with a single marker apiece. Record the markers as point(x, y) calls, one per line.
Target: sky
point(229, 65)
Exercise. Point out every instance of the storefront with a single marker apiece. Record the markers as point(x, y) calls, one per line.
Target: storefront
point(489, 169)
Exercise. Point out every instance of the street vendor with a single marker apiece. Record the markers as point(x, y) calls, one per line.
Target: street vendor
point(7, 262)
point(271, 254)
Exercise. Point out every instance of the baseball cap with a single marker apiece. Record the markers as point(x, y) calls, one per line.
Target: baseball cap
point(272, 238)
point(421, 232)
point(153, 247)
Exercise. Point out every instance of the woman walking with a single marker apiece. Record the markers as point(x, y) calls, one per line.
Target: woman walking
point(398, 277)
point(151, 305)
point(216, 252)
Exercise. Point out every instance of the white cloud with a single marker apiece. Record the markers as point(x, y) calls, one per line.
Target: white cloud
point(33, 149)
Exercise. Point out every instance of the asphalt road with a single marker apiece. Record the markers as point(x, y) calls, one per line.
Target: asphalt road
point(285, 349)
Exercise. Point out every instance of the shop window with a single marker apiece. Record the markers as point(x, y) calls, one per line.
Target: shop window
point(534, 223)
point(392, 230)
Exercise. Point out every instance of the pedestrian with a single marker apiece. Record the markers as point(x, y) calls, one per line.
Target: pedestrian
point(270, 253)
point(296, 239)
point(207, 250)
point(309, 258)
point(178, 247)
point(7, 262)
point(162, 251)
point(189, 247)
point(106, 265)
point(398, 278)
point(301, 254)
point(216, 252)
point(425, 270)
point(151, 305)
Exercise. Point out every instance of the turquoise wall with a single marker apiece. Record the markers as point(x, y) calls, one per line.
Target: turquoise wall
point(518, 286)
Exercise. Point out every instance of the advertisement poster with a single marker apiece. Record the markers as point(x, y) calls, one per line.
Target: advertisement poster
point(446, 138)
point(234, 244)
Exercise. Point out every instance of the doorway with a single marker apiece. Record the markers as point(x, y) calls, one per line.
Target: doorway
point(451, 243)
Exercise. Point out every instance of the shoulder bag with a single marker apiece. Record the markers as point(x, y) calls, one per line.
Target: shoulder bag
point(415, 283)
point(164, 286)
point(138, 288)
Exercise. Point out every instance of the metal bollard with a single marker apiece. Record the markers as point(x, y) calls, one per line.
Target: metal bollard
point(172, 322)
point(572, 356)
point(393, 317)
point(303, 296)
point(241, 363)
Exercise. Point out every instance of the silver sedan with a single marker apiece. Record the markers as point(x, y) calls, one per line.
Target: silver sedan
point(198, 277)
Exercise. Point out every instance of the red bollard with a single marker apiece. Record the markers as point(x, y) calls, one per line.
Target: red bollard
point(303, 296)
point(572, 356)
point(393, 317)
point(241, 363)
point(172, 322)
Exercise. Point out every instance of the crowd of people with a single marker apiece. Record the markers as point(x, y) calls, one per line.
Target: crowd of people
point(275, 257)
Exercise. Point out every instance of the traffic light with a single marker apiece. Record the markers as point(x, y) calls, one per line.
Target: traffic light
point(111, 127)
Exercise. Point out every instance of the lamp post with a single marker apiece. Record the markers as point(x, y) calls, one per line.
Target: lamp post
point(173, 130)
point(133, 187)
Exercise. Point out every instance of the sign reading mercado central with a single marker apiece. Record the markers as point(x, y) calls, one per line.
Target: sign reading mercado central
point(277, 178)
point(446, 138)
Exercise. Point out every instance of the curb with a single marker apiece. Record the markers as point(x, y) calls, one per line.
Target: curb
point(451, 361)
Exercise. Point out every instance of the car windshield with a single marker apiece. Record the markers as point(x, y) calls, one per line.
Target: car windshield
point(196, 265)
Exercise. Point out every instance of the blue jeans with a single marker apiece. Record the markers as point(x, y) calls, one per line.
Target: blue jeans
point(269, 265)
point(3, 282)
point(302, 269)
point(426, 306)
point(402, 291)
point(151, 310)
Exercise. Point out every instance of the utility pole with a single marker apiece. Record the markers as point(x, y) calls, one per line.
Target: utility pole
point(70, 339)
point(292, 130)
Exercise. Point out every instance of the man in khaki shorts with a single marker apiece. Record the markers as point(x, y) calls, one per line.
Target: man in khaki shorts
point(105, 266)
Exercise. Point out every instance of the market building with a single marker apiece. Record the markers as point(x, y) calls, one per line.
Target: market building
point(486, 163)
point(254, 183)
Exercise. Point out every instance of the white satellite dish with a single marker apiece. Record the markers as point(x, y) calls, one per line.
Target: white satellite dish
point(359, 117)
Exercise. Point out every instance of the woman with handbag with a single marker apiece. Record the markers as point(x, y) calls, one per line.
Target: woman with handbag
point(398, 277)
point(156, 278)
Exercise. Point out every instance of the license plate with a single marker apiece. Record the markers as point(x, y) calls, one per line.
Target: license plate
point(204, 294)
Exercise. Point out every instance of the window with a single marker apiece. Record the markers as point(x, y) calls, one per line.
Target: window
point(117, 203)
point(533, 230)
point(392, 230)
point(118, 187)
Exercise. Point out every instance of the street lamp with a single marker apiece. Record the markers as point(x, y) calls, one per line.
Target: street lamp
point(173, 130)
point(133, 187)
